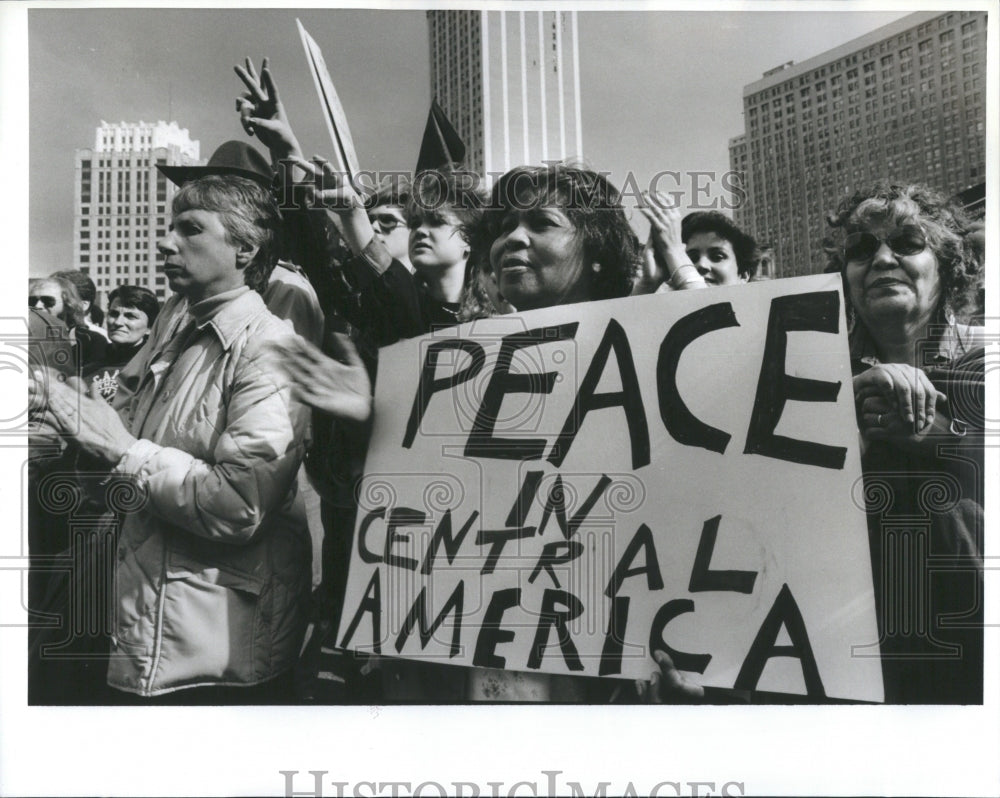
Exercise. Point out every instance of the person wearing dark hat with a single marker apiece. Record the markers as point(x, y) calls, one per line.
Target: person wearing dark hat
point(289, 294)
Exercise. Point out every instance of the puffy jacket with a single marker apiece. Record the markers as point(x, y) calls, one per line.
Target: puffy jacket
point(213, 569)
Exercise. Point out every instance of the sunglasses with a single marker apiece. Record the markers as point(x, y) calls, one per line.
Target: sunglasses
point(908, 239)
point(48, 302)
point(386, 221)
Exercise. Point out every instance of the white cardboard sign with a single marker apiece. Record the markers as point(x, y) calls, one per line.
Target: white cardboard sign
point(567, 490)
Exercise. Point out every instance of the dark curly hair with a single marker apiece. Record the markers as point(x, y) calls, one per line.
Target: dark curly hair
point(248, 213)
point(944, 223)
point(590, 202)
point(744, 245)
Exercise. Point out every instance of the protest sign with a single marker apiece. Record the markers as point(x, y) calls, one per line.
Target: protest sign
point(333, 112)
point(567, 490)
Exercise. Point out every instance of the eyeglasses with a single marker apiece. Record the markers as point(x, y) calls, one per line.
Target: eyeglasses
point(48, 302)
point(908, 239)
point(385, 221)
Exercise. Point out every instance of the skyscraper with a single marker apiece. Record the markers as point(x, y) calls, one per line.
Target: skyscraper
point(509, 81)
point(905, 102)
point(122, 203)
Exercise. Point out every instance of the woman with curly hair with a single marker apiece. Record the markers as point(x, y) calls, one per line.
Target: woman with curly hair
point(909, 273)
point(556, 235)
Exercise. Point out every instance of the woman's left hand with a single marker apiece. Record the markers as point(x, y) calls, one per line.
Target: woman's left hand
point(905, 388)
point(342, 389)
point(90, 421)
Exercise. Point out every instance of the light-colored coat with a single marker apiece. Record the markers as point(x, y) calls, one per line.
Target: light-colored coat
point(213, 569)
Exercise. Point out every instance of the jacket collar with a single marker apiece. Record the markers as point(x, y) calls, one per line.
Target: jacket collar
point(955, 340)
point(228, 313)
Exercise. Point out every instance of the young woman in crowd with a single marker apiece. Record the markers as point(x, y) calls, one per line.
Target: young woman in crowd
point(721, 252)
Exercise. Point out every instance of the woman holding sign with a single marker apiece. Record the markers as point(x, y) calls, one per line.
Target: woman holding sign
point(552, 235)
point(909, 272)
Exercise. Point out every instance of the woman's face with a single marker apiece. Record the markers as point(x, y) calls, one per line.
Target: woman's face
point(126, 325)
point(436, 241)
point(538, 259)
point(713, 257)
point(892, 273)
point(48, 296)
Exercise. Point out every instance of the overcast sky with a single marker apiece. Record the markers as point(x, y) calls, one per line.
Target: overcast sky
point(660, 90)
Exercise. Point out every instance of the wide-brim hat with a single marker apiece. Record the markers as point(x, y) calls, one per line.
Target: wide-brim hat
point(231, 158)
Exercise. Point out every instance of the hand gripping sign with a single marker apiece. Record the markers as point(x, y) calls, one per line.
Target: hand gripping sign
point(568, 490)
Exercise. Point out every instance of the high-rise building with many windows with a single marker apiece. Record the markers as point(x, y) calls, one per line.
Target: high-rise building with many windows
point(509, 81)
point(122, 203)
point(905, 102)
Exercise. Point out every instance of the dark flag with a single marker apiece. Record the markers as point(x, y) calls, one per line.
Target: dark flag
point(441, 144)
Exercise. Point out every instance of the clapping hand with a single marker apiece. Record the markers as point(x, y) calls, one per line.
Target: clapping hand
point(339, 387)
point(90, 421)
point(671, 259)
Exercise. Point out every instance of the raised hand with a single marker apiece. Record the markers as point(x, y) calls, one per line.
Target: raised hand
point(335, 192)
point(331, 189)
point(674, 265)
point(340, 388)
point(262, 114)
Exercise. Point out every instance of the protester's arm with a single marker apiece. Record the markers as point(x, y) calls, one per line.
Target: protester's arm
point(335, 192)
point(902, 404)
point(253, 465)
point(674, 267)
point(896, 402)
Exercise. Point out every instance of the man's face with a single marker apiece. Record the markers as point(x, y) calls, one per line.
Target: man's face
point(200, 261)
point(389, 224)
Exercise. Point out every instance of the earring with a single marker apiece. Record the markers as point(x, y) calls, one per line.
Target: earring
point(595, 267)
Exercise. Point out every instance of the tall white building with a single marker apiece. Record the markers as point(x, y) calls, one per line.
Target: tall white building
point(509, 81)
point(122, 203)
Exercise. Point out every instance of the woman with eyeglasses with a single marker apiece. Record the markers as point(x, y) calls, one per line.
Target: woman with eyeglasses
point(909, 275)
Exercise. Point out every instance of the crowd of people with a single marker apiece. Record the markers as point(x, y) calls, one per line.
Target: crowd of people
point(264, 359)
